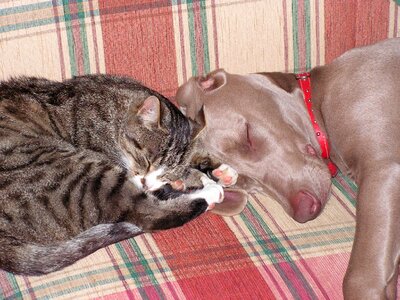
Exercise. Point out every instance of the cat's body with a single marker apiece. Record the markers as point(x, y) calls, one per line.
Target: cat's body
point(79, 162)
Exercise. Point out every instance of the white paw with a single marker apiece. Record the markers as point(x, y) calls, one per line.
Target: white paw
point(226, 175)
point(205, 180)
point(211, 192)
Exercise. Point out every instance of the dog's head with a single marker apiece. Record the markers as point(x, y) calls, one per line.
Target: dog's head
point(258, 125)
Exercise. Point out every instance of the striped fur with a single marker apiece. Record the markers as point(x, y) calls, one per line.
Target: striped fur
point(67, 153)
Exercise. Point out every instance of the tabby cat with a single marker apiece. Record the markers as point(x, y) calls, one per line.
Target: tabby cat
point(85, 163)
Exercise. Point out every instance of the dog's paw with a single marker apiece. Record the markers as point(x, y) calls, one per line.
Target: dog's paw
point(226, 175)
point(212, 192)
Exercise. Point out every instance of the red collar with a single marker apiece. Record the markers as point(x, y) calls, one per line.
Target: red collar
point(304, 80)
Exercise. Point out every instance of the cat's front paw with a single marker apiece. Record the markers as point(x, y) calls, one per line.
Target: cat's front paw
point(212, 192)
point(226, 175)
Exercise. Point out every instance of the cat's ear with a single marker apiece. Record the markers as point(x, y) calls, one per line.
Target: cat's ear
point(150, 111)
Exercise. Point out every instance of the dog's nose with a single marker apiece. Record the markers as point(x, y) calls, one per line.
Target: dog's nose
point(305, 206)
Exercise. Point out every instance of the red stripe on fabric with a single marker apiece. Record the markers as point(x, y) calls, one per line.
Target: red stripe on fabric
point(238, 284)
point(285, 35)
point(140, 43)
point(375, 24)
point(6, 288)
point(259, 259)
point(182, 41)
point(354, 23)
point(198, 30)
point(73, 6)
point(215, 33)
point(138, 266)
point(121, 277)
point(204, 249)
point(29, 288)
point(160, 267)
point(300, 288)
point(124, 296)
point(151, 292)
point(94, 32)
point(345, 185)
point(331, 270)
point(343, 204)
point(301, 27)
point(295, 281)
point(59, 41)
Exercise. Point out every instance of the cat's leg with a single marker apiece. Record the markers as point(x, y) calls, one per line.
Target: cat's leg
point(167, 208)
point(235, 198)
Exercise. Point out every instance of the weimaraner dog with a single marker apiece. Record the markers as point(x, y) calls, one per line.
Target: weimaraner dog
point(266, 127)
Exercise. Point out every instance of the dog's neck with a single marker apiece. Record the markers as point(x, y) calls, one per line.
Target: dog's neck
point(304, 81)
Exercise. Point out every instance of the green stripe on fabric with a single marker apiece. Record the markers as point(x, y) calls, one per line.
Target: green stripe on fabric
point(38, 22)
point(203, 15)
point(343, 190)
point(29, 24)
point(326, 243)
point(69, 290)
point(319, 233)
point(25, 8)
point(145, 264)
point(61, 282)
point(71, 278)
point(17, 294)
point(31, 7)
point(133, 274)
point(83, 35)
point(70, 38)
point(308, 33)
point(149, 272)
point(295, 23)
point(350, 182)
point(314, 234)
point(282, 251)
point(192, 38)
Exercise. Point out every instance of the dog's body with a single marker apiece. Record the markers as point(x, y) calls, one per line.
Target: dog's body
point(259, 125)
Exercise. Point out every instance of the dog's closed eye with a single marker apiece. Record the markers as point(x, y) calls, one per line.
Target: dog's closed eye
point(248, 135)
point(251, 140)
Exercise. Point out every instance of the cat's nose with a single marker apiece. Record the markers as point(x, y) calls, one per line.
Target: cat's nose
point(143, 182)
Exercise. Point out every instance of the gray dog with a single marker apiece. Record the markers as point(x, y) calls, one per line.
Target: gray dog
point(261, 125)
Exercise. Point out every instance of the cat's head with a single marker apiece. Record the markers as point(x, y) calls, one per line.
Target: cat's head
point(158, 142)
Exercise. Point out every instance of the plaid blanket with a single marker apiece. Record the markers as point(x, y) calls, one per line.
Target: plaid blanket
point(259, 254)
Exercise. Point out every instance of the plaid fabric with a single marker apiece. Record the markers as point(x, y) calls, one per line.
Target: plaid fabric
point(259, 254)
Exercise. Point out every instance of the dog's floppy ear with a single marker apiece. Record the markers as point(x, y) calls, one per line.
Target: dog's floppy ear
point(234, 202)
point(190, 95)
point(286, 81)
point(189, 98)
